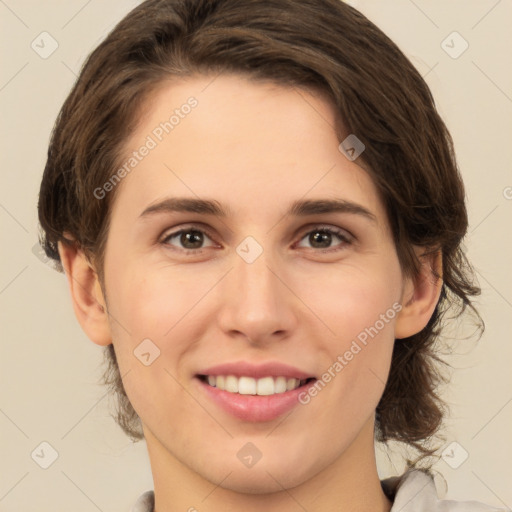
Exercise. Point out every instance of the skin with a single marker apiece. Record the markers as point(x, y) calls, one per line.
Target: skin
point(255, 148)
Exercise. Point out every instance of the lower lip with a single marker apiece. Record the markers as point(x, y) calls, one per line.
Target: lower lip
point(255, 408)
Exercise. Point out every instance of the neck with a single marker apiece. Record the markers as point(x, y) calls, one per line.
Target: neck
point(351, 483)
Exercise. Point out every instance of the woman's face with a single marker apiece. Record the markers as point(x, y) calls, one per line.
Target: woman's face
point(273, 281)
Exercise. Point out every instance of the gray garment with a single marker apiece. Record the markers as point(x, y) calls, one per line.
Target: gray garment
point(414, 491)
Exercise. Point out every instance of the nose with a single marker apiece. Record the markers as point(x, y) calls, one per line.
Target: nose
point(256, 302)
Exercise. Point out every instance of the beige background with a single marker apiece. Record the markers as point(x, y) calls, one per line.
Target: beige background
point(50, 369)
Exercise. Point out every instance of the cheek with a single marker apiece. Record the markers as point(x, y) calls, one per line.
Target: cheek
point(360, 310)
point(157, 313)
point(153, 317)
point(153, 303)
point(349, 299)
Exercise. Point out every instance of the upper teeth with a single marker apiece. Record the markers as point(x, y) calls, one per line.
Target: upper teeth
point(250, 386)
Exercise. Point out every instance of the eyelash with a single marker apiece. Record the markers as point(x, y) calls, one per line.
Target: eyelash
point(345, 238)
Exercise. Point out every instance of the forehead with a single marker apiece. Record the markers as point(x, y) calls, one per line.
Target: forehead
point(243, 142)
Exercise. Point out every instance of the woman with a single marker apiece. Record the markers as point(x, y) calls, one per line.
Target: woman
point(259, 213)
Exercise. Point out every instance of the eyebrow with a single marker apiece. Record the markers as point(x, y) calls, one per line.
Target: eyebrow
point(300, 208)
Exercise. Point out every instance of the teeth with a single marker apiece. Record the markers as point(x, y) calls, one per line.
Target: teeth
point(249, 386)
point(246, 386)
point(280, 385)
point(265, 386)
point(231, 384)
point(291, 384)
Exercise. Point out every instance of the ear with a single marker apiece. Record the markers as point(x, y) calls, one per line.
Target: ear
point(420, 295)
point(86, 294)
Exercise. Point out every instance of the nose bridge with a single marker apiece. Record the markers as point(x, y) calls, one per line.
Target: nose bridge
point(256, 302)
point(257, 284)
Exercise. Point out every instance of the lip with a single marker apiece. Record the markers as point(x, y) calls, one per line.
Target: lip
point(253, 408)
point(268, 369)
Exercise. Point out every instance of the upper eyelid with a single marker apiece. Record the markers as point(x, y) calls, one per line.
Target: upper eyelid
point(175, 231)
point(341, 233)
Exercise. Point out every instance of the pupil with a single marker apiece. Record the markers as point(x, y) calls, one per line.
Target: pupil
point(324, 237)
point(187, 238)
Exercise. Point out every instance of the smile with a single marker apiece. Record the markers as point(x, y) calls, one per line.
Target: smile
point(245, 385)
point(250, 399)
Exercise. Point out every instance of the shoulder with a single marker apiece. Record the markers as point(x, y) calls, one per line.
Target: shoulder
point(415, 491)
point(145, 503)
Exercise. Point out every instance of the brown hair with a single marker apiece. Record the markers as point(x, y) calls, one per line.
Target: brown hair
point(323, 45)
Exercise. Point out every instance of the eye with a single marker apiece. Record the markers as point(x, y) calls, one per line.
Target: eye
point(191, 239)
point(321, 237)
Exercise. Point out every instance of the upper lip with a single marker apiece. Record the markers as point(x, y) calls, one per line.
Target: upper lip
point(257, 371)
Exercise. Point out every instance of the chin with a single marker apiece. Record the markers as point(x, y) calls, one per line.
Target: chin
point(262, 478)
point(247, 482)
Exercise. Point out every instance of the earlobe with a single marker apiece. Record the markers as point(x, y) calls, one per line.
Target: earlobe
point(86, 294)
point(420, 296)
